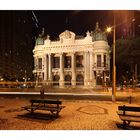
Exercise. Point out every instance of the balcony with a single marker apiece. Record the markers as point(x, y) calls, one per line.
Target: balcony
point(55, 69)
point(102, 67)
point(67, 69)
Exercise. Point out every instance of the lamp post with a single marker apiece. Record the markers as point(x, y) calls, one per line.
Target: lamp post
point(114, 64)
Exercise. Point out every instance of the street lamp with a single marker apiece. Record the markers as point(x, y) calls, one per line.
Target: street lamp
point(109, 29)
point(114, 65)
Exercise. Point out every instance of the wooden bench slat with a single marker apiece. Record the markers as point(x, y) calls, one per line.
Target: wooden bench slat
point(45, 101)
point(128, 113)
point(130, 118)
point(129, 108)
point(42, 107)
point(30, 107)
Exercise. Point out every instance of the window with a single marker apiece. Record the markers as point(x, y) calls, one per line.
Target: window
point(56, 62)
point(67, 62)
point(79, 59)
point(98, 60)
point(104, 60)
point(39, 63)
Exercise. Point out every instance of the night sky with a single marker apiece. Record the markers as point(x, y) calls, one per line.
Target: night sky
point(55, 22)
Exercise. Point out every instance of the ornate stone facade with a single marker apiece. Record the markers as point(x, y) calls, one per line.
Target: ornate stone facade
point(70, 61)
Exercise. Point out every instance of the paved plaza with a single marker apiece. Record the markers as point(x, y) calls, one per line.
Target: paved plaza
point(77, 115)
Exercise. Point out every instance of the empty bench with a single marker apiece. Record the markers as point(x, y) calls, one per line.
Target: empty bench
point(54, 106)
point(128, 114)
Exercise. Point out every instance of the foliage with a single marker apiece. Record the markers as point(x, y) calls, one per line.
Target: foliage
point(127, 56)
point(128, 51)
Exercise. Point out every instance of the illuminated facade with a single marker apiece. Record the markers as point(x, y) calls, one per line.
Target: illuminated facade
point(73, 61)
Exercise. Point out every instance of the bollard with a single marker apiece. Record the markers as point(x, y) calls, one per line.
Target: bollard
point(130, 99)
point(42, 93)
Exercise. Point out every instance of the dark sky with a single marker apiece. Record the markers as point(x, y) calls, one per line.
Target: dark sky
point(79, 22)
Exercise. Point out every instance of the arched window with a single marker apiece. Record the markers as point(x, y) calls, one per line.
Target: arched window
point(56, 80)
point(67, 80)
point(79, 79)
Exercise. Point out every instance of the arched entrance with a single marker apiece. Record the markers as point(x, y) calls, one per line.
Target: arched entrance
point(67, 80)
point(79, 79)
point(99, 79)
point(56, 80)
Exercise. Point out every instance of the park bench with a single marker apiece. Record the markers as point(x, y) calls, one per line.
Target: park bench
point(54, 106)
point(128, 114)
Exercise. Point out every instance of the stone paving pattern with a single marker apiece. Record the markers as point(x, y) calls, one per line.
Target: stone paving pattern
point(77, 115)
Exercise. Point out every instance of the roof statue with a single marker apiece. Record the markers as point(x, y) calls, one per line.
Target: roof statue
point(40, 40)
point(97, 29)
point(48, 37)
point(98, 35)
point(88, 33)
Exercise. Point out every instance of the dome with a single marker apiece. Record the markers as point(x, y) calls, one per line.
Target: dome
point(39, 40)
point(98, 35)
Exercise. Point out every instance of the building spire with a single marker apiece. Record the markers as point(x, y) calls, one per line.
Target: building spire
point(97, 29)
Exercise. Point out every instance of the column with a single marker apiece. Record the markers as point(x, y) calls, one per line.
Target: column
point(91, 71)
point(61, 81)
point(42, 68)
point(36, 63)
point(104, 78)
point(91, 64)
point(45, 67)
point(73, 69)
point(50, 68)
point(108, 62)
point(93, 76)
point(102, 60)
point(95, 59)
point(36, 79)
point(85, 68)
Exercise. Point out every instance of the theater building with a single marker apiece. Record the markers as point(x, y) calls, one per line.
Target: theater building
point(73, 60)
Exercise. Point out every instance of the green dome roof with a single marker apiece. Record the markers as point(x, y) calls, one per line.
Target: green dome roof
point(98, 35)
point(39, 41)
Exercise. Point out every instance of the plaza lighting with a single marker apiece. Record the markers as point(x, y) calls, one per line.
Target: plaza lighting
point(109, 29)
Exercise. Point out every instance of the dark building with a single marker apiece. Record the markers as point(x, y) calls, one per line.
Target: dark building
point(16, 44)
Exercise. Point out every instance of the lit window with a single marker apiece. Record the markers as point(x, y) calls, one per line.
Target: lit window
point(98, 60)
point(40, 63)
point(79, 60)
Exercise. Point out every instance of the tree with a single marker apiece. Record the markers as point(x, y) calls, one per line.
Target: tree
point(128, 56)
